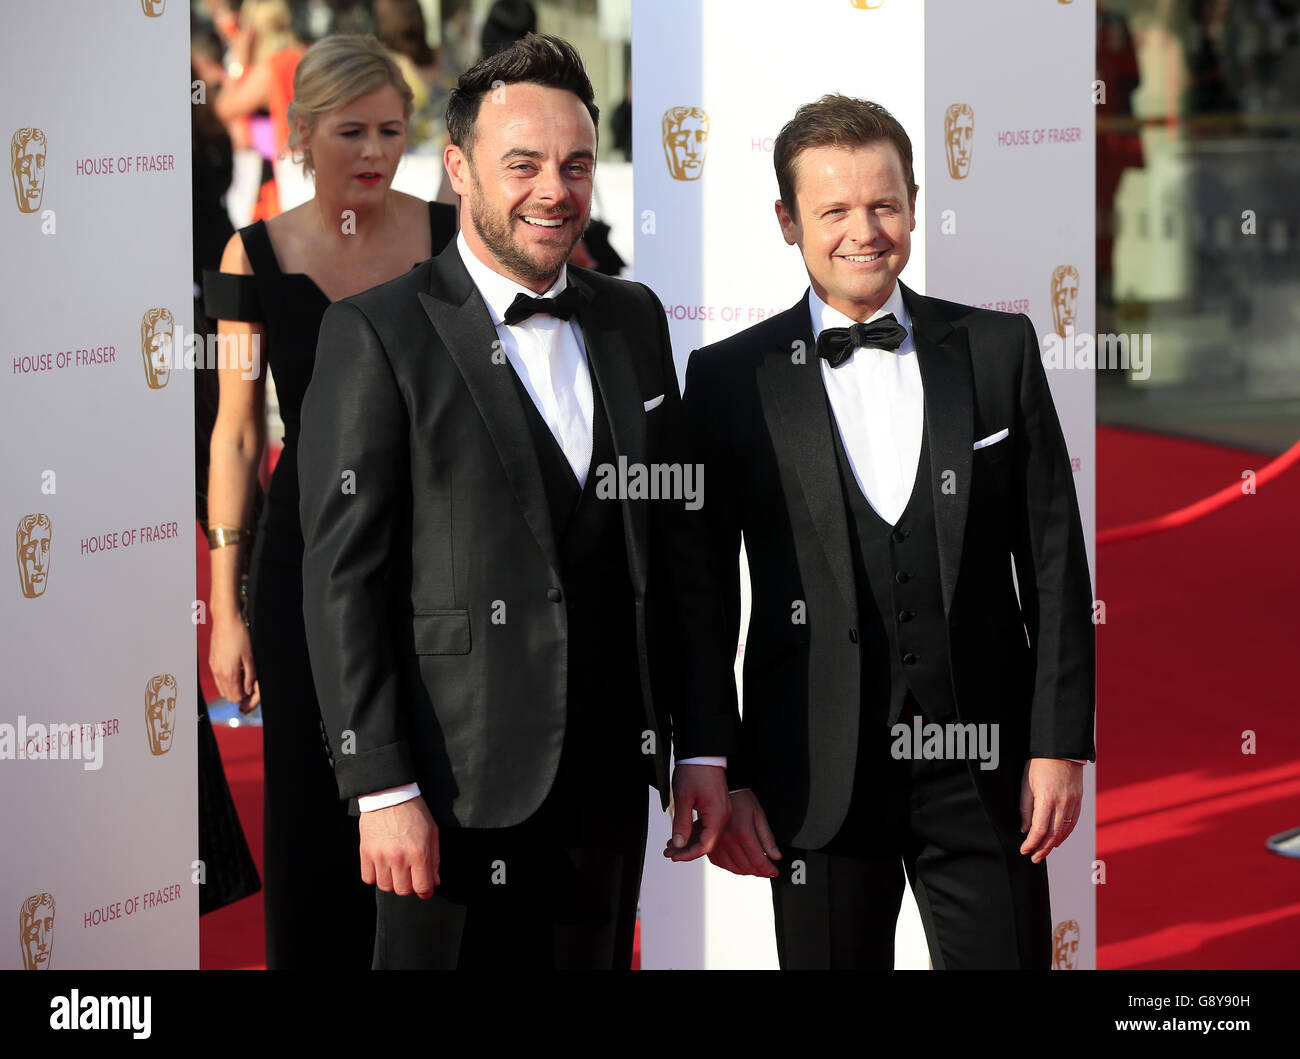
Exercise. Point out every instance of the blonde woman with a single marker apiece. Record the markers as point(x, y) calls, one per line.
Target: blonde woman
point(348, 119)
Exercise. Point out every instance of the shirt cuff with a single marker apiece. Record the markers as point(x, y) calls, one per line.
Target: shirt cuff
point(719, 762)
point(368, 803)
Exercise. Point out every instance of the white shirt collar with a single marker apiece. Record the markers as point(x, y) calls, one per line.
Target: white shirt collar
point(499, 291)
point(823, 316)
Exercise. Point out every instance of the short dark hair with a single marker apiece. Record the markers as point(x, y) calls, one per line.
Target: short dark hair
point(538, 59)
point(837, 121)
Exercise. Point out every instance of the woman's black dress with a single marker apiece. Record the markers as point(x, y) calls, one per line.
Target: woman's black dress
point(319, 914)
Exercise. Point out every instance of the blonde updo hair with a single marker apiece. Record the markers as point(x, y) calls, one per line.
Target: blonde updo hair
point(332, 73)
point(272, 24)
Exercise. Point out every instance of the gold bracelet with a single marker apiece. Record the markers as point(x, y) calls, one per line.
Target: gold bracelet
point(220, 536)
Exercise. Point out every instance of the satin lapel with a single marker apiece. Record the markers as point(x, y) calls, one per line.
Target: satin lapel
point(800, 424)
point(458, 314)
point(609, 359)
point(943, 354)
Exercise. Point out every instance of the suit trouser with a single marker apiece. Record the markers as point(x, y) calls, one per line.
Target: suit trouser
point(558, 891)
point(983, 903)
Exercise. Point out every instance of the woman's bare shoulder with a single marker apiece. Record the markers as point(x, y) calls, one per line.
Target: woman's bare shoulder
point(234, 258)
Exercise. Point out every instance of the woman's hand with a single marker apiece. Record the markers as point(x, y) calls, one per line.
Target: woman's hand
point(230, 658)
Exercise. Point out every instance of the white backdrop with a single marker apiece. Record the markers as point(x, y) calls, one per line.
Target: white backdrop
point(99, 441)
point(994, 234)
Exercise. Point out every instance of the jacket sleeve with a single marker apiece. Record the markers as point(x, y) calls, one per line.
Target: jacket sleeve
point(716, 525)
point(353, 468)
point(702, 723)
point(1052, 573)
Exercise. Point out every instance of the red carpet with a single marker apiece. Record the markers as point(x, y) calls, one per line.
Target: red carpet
point(1198, 646)
point(234, 937)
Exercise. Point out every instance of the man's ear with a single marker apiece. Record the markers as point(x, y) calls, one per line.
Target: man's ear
point(457, 166)
point(912, 209)
point(789, 226)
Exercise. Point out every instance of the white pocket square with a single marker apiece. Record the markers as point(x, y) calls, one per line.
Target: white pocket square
point(654, 402)
point(993, 439)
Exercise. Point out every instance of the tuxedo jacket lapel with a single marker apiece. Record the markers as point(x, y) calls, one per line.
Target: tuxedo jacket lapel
point(795, 406)
point(609, 360)
point(943, 355)
point(460, 318)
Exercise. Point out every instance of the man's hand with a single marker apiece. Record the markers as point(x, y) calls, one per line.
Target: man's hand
point(399, 849)
point(1051, 794)
point(747, 846)
point(701, 789)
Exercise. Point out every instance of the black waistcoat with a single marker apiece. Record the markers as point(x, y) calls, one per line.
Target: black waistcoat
point(603, 678)
point(903, 632)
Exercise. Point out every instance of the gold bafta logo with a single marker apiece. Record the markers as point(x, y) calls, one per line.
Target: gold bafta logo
point(867, 5)
point(686, 141)
point(160, 712)
point(1065, 297)
point(156, 346)
point(34, 538)
point(27, 164)
point(1065, 946)
point(153, 8)
point(36, 931)
point(958, 138)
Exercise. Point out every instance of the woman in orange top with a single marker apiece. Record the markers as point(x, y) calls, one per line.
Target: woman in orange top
point(266, 53)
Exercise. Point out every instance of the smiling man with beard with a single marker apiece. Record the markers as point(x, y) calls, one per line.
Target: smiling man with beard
point(501, 655)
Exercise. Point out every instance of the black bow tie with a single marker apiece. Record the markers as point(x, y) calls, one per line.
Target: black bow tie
point(564, 305)
point(836, 344)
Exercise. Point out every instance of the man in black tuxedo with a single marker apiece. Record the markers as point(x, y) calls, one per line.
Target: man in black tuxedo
point(497, 641)
point(887, 458)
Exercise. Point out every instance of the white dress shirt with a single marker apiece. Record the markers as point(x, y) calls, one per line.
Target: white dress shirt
point(548, 355)
point(879, 408)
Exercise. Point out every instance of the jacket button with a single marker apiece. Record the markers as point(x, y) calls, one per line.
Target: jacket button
point(909, 659)
point(902, 577)
point(898, 536)
point(553, 594)
point(853, 634)
point(905, 615)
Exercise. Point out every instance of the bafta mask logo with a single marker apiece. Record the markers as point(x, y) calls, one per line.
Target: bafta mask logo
point(160, 712)
point(1065, 297)
point(958, 138)
point(36, 931)
point(156, 346)
point(1065, 946)
point(686, 141)
point(153, 8)
point(27, 163)
point(867, 5)
point(34, 539)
